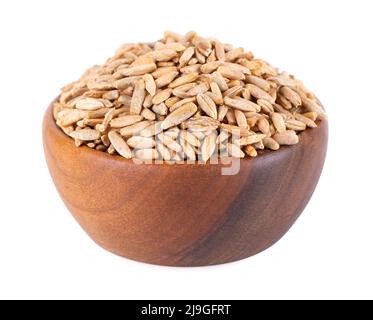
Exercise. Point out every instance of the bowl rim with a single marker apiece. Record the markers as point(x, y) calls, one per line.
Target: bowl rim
point(50, 122)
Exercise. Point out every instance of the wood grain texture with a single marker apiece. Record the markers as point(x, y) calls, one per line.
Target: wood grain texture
point(184, 215)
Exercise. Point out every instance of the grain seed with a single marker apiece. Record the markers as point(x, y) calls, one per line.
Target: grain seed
point(186, 56)
point(222, 137)
point(191, 68)
point(166, 79)
point(139, 70)
point(181, 102)
point(251, 139)
point(135, 128)
point(231, 73)
point(171, 101)
point(271, 143)
point(259, 93)
point(250, 151)
point(179, 115)
point(288, 137)
point(139, 142)
point(200, 124)
point(220, 81)
point(163, 151)
point(259, 82)
point(240, 118)
point(111, 95)
point(219, 51)
point(263, 126)
point(125, 121)
point(69, 116)
point(278, 122)
point(89, 104)
point(163, 55)
point(207, 105)
point(169, 142)
point(210, 66)
point(235, 130)
point(233, 54)
point(152, 130)
point(162, 96)
point(310, 115)
point(190, 138)
point(188, 150)
point(265, 106)
point(291, 95)
point(296, 125)
point(208, 147)
point(198, 89)
point(307, 121)
point(222, 112)
point(163, 70)
point(150, 84)
point(108, 117)
point(119, 145)
point(235, 151)
point(234, 91)
point(160, 109)
point(85, 134)
point(138, 97)
point(190, 77)
point(241, 104)
point(148, 114)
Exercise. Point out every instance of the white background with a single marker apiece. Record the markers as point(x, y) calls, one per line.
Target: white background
point(46, 44)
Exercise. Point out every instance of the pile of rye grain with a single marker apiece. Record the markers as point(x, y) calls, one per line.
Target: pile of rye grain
point(185, 98)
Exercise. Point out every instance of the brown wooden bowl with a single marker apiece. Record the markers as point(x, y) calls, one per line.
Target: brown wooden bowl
point(185, 214)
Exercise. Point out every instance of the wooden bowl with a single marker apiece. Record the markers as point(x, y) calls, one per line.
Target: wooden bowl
point(185, 214)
